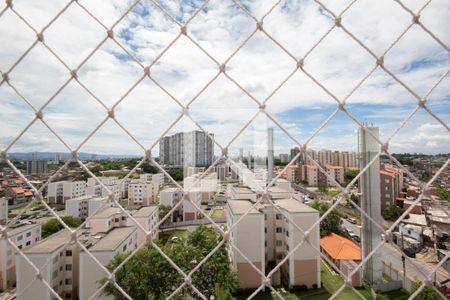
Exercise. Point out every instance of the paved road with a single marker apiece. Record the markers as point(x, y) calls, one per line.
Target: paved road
point(392, 256)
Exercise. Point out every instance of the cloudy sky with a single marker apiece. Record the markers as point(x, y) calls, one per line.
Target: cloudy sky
point(223, 108)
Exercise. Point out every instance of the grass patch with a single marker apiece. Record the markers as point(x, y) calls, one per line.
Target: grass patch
point(167, 235)
point(333, 193)
point(333, 282)
point(400, 294)
point(314, 294)
point(217, 213)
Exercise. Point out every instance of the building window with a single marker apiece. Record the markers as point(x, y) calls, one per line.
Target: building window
point(28, 234)
point(287, 232)
point(278, 216)
point(69, 253)
point(279, 229)
point(265, 243)
point(20, 247)
point(123, 218)
point(19, 238)
point(68, 281)
point(68, 267)
point(265, 229)
point(68, 295)
point(279, 243)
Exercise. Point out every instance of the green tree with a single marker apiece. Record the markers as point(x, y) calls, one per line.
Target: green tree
point(331, 223)
point(52, 226)
point(176, 174)
point(163, 211)
point(442, 193)
point(149, 168)
point(323, 188)
point(354, 198)
point(148, 275)
point(349, 175)
point(392, 212)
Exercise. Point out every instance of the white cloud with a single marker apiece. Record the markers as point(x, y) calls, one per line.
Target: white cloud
point(260, 66)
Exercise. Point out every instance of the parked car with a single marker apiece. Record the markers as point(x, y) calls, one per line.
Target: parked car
point(352, 220)
point(356, 239)
point(410, 252)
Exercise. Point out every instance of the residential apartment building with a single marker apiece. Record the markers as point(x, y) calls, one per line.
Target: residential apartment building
point(295, 173)
point(265, 237)
point(391, 184)
point(111, 183)
point(37, 167)
point(140, 193)
point(312, 175)
point(71, 272)
point(23, 236)
point(335, 172)
point(3, 211)
point(17, 196)
point(148, 218)
point(83, 207)
point(186, 149)
point(59, 192)
point(117, 241)
point(187, 210)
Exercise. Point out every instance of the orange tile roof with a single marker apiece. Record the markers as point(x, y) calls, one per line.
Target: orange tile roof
point(28, 194)
point(18, 190)
point(340, 248)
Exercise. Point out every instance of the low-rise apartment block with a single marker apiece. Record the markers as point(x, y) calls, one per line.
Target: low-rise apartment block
point(148, 218)
point(335, 172)
point(266, 236)
point(83, 207)
point(17, 196)
point(59, 192)
point(71, 272)
point(187, 210)
point(140, 193)
point(23, 236)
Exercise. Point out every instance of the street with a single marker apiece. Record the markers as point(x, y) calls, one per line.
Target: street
point(392, 256)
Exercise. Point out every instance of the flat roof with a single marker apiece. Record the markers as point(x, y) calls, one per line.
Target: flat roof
point(107, 212)
point(145, 211)
point(51, 243)
point(113, 239)
point(242, 190)
point(240, 207)
point(171, 189)
point(92, 198)
point(294, 206)
point(17, 230)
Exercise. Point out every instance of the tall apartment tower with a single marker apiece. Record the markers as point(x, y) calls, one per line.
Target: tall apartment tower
point(190, 149)
point(37, 167)
point(369, 185)
point(269, 154)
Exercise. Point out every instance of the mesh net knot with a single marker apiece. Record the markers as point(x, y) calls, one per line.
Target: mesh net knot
point(39, 114)
point(147, 70)
point(416, 19)
point(222, 68)
point(74, 74)
point(110, 33)
point(300, 63)
point(183, 30)
point(5, 77)
point(422, 103)
point(259, 25)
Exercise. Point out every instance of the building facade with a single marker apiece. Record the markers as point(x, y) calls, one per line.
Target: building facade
point(59, 192)
point(193, 149)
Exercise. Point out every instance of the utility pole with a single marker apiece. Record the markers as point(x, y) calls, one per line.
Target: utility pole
point(403, 262)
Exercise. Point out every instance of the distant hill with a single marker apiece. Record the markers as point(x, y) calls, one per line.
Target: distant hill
point(66, 156)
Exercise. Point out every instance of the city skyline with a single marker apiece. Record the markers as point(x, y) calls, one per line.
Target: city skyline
point(300, 105)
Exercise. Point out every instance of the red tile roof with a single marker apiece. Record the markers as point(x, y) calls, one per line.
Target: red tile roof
point(340, 248)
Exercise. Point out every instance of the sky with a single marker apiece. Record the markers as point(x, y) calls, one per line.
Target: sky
point(260, 66)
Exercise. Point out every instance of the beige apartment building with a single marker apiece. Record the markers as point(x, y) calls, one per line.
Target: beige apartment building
point(3, 211)
point(335, 172)
point(312, 175)
point(186, 211)
point(265, 236)
point(23, 236)
point(71, 272)
point(140, 193)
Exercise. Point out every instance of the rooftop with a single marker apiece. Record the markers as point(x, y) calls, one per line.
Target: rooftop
point(240, 207)
point(145, 211)
point(340, 248)
point(20, 228)
point(294, 206)
point(107, 212)
point(113, 239)
point(51, 243)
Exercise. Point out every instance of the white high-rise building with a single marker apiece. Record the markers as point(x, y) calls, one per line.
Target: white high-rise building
point(187, 149)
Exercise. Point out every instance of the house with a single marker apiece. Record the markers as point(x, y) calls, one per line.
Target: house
point(344, 253)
